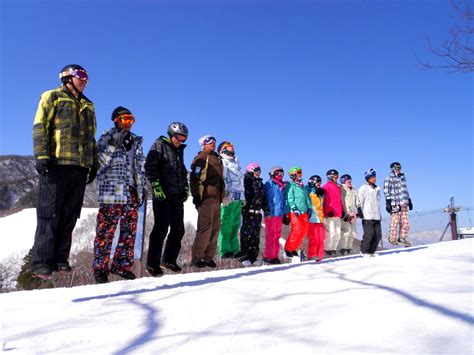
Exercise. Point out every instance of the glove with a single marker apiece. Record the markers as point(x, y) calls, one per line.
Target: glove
point(297, 213)
point(186, 193)
point(410, 205)
point(197, 201)
point(346, 217)
point(286, 220)
point(118, 137)
point(158, 190)
point(388, 206)
point(360, 214)
point(92, 175)
point(330, 214)
point(309, 212)
point(42, 166)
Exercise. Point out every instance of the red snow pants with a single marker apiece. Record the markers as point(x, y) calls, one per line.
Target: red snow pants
point(316, 236)
point(299, 229)
point(272, 236)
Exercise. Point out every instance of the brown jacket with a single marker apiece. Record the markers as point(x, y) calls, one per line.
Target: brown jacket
point(207, 176)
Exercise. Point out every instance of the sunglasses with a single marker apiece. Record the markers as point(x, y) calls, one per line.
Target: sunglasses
point(180, 140)
point(210, 140)
point(126, 118)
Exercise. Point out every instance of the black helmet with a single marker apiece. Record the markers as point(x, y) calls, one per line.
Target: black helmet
point(71, 70)
point(345, 177)
point(175, 128)
point(332, 172)
point(314, 179)
point(395, 166)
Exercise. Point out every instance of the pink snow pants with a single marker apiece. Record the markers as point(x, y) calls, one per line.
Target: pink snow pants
point(272, 236)
point(316, 236)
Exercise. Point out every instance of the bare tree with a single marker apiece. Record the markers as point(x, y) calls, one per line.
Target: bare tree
point(455, 54)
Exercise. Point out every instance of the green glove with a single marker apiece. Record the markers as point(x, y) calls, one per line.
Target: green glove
point(158, 190)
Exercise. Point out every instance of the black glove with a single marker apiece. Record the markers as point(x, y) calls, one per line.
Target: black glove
point(360, 214)
point(92, 175)
point(346, 217)
point(388, 206)
point(197, 201)
point(309, 212)
point(286, 220)
point(42, 166)
point(410, 205)
point(330, 214)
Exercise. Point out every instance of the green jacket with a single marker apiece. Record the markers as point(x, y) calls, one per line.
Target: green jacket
point(297, 198)
point(64, 129)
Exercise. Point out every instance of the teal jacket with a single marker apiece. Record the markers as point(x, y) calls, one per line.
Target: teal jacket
point(297, 198)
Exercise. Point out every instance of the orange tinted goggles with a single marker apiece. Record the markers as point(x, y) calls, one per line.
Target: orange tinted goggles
point(125, 119)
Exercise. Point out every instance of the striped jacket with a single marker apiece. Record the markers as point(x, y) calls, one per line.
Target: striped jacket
point(396, 191)
point(119, 170)
point(64, 129)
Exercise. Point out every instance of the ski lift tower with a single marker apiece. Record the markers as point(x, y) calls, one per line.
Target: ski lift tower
point(452, 210)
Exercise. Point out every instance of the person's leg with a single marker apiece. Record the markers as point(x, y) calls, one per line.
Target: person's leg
point(161, 214)
point(124, 251)
point(173, 242)
point(211, 248)
point(404, 223)
point(394, 225)
point(236, 218)
point(107, 219)
point(365, 245)
point(225, 230)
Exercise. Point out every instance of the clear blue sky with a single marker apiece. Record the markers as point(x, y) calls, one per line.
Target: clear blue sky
point(319, 84)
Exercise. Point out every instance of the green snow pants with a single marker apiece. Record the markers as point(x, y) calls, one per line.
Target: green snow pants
point(231, 216)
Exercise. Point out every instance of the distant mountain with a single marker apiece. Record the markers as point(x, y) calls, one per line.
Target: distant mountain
point(19, 185)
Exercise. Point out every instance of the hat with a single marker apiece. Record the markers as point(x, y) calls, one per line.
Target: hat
point(370, 173)
point(205, 138)
point(119, 111)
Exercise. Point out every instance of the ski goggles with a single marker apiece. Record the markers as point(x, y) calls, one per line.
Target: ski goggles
point(209, 140)
point(180, 139)
point(77, 73)
point(126, 118)
point(297, 172)
point(397, 167)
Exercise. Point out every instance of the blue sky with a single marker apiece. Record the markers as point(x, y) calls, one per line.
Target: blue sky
point(318, 84)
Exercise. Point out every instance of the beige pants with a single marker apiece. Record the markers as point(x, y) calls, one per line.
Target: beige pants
point(348, 233)
point(333, 232)
point(208, 226)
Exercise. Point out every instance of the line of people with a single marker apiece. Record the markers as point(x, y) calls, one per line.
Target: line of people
point(229, 201)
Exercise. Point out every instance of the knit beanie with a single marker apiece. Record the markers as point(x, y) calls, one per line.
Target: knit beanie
point(119, 111)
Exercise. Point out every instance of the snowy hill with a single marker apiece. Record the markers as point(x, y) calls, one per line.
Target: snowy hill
point(413, 300)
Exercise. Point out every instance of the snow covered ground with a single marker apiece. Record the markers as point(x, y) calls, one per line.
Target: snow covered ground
point(415, 300)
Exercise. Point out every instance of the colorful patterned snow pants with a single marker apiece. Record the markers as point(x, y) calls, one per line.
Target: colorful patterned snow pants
point(399, 222)
point(107, 220)
point(273, 226)
point(250, 234)
point(316, 236)
point(299, 229)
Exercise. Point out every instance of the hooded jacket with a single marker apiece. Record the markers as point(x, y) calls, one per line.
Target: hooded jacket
point(207, 176)
point(332, 200)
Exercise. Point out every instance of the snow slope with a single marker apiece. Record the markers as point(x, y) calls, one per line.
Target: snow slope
point(415, 300)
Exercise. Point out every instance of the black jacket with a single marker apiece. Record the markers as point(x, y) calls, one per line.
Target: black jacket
point(254, 193)
point(165, 163)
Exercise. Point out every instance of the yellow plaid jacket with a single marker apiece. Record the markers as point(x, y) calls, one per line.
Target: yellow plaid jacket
point(64, 129)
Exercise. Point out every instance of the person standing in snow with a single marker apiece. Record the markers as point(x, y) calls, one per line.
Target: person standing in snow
point(120, 191)
point(333, 212)
point(369, 195)
point(234, 199)
point(316, 231)
point(207, 189)
point(398, 203)
point(273, 216)
point(351, 208)
point(168, 177)
point(300, 208)
point(251, 215)
point(66, 160)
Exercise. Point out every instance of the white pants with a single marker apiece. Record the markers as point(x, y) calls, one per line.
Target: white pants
point(348, 233)
point(333, 232)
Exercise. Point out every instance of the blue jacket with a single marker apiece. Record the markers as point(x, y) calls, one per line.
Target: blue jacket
point(275, 196)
